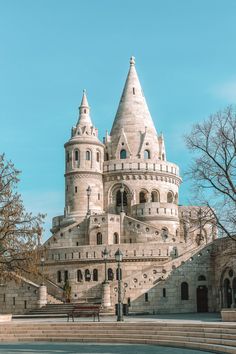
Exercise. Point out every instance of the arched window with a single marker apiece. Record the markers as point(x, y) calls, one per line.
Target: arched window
point(59, 276)
point(142, 197)
point(106, 156)
point(201, 278)
point(123, 154)
point(110, 274)
point(79, 275)
point(76, 155)
point(99, 238)
point(118, 276)
point(146, 154)
point(155, 196)
point(67, 157)
point(98, 156)
point(87, 275)
point(118, 198)
point(88, 155)
point(115, 238)
point(66, 275)
point(163, 157)
point(170, 197)
point(184, 291)
point(176, 198)
point(95, 275)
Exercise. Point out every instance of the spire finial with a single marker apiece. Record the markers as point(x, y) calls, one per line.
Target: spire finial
point(84, 91)
point(132, 60)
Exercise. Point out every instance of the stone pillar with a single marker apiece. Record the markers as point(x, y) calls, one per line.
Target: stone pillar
point(42, 299)
point(122, 216)
point(106, 294)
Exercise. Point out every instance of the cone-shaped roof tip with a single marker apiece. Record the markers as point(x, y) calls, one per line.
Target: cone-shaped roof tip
point(84, 102)
point(132, 60)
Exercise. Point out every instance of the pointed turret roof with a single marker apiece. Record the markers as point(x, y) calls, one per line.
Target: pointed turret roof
point(84, 112)
point(133, 112)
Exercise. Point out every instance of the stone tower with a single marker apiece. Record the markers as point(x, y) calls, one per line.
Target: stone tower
point(84, 156)
point(135, 157)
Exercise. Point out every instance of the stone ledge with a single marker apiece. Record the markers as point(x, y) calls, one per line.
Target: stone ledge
point(5, 318)
point(228, 315)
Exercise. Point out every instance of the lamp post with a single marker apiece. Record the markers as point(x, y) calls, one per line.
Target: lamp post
point(119, 258)
point(105, 254)
point(42, 265)
point(88, 190)
point(122, 189)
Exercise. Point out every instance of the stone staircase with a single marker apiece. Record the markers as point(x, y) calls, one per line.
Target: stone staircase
point(212, 337)
point(154, 275)
point(53, 300)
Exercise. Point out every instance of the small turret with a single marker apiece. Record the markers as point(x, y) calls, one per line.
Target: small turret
point(84, 124)
point(84, 166)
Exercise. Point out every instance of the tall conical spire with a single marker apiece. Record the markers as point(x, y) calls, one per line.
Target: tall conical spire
point(84, 112)
point(133, 112)
point(133, 123)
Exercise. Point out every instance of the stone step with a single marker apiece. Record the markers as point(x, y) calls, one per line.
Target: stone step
point(170, 343)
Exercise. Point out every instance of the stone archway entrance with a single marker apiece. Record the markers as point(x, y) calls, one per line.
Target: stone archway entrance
point(202, 298)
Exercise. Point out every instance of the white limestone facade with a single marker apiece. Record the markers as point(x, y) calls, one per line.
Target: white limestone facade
point(123, 193)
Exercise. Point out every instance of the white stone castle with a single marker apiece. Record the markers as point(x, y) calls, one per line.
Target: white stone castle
point(122, 193)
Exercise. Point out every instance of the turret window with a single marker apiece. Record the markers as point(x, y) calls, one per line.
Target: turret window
point(115, 238)
point(67, 157)
point(142, 197)
point(99, 238)
point(79, 275)
point(98, 156)
point(146, 154)
point(95, 275)
point(85, 111)
point(123, 154)
point(76, 155)
point(87, 275)
point(155, 196)
point(133, 90)
point(170, 197)
point(88, 155)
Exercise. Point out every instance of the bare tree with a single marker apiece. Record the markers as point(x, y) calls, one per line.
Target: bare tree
point(213, 170)
point(19, 230)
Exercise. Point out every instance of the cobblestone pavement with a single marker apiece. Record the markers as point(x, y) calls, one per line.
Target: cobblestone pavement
point(69, 348)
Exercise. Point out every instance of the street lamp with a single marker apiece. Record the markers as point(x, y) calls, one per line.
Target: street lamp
point(42, 265)
point(88, 190)
point(119, 258)
point(105, 254)
point(122, 189)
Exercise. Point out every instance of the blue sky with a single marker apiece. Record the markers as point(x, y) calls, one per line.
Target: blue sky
point(51, 49)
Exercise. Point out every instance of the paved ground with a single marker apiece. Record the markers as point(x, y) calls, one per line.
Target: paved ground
point(179, 318)
point(69, 348)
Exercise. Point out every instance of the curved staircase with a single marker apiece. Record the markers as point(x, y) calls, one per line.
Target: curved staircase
point(212, 337)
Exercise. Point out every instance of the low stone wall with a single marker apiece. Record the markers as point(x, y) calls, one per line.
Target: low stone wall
point(5, 318)
point(228, 315)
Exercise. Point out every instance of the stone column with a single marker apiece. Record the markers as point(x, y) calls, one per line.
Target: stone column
point(122, 216)
point(106, 294)
point(42, 299)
